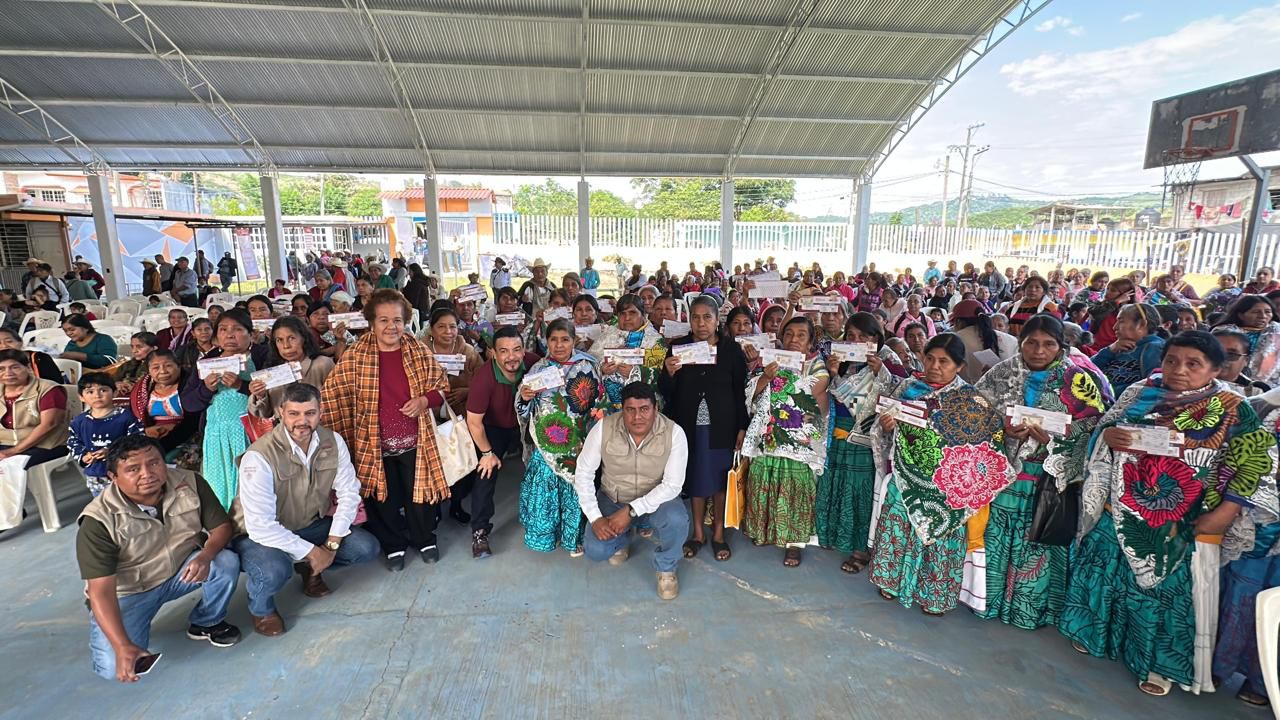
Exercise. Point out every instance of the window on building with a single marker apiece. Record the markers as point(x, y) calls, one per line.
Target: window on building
point(15, 244)
point(155, 198)
point(51, 195)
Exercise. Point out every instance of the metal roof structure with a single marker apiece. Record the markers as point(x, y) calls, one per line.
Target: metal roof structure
point(747, 88)
point(443, 193)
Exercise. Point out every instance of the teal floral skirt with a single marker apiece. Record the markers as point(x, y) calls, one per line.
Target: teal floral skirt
point(549, 509)
point(1026, 581)
point(905, 568)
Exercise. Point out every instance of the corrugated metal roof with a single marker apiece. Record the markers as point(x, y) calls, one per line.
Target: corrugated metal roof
point(496, 85)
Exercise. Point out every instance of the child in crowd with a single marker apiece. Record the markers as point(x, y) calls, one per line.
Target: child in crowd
point(79, 308)
point(101, 424)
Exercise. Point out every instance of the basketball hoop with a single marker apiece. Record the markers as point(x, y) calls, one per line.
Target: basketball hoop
point(1181, 168)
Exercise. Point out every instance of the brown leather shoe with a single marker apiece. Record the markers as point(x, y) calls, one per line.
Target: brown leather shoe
point(271, 625)
point(312, 585)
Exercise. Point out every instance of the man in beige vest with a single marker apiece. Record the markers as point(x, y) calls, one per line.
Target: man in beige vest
point(281, 510)
point(644, 455)
point(154, 535)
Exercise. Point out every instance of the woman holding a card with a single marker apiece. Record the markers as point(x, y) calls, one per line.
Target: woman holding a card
point(460, 361)
point(561, 397)
point(1044, 377)
point(290, 342)
point(787, 442)
point(632, 332)
point(1171, 468)
point(942, 441)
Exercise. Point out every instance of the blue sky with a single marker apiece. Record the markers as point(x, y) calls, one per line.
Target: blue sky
point(1065, 101)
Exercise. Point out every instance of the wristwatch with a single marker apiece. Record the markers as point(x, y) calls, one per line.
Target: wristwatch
point(332, 545)
point(486, 453)
point(632, 512)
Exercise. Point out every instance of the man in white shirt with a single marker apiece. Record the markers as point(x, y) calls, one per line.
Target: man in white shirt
point(643, 474)
point(286, 481)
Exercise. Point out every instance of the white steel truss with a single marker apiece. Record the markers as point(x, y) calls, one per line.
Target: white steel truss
point(54, 132)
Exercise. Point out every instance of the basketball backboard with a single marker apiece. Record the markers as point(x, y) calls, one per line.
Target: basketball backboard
point(1236, 118)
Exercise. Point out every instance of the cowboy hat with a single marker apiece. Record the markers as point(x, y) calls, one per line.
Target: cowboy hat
point(338, 263)
point(538, 262)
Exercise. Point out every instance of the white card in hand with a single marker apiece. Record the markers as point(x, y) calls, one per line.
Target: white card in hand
point(472, 293)
point(452, 364)
point(557, 313)
point(789, 359)
point(263, 324)
point(770, 289)
point(605, 305)
point(698, 353)
point(673, 329)
point(545, 379)
point(624, 356)
point(279, 376)
point(219, 365)
point(905, 411)
point(502, 319)
point(352, 320)
point(1154, 440)
point(1054, 423)
point(852, 351)
point(759, 342)
point(589, 332)
point(820, 304)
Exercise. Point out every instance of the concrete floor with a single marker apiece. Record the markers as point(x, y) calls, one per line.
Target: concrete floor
point(526, 634)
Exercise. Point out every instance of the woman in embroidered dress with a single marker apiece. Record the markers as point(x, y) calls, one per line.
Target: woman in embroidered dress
point(1027, 581)
point(940, 476)
point(1150, 521)
point(786, 440)
point(846, 491)
point(1137, 349)
point(1255, 316)
point(557, 421)
point(632, 331)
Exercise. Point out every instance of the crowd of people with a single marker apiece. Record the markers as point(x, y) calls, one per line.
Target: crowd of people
point(1073, 450)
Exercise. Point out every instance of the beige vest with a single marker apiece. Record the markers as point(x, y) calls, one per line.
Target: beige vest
point(302, 495)
point(26, 416)
point(151, 551)
point(631, 472)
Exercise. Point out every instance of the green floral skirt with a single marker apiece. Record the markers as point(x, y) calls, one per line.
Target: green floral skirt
point(845, 495)
point(907, 569)
point(1026, 581)
point(780, 501)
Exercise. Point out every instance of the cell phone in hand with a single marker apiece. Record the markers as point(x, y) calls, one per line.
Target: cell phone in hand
point(145, 663)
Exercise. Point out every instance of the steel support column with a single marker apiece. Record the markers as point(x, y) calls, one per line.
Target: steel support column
point(584, 223)
point(273, 220)
point(726, 225)
point(860, 224)
point(104, 225)
point(1249, 241)
point(431, 209)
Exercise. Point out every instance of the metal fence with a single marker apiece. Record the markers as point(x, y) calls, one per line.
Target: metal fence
point(1203, 251)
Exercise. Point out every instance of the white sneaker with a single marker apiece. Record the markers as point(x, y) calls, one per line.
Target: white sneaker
point(620, 557)
point(668, 585)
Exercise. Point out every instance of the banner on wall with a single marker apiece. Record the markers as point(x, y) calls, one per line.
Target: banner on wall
point(144, 239)
point(248, 258)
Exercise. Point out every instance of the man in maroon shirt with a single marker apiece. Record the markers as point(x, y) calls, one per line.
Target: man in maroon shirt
point(491, 418)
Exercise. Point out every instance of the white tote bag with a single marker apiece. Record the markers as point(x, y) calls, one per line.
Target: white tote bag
point(457, 449)
point(13, 490)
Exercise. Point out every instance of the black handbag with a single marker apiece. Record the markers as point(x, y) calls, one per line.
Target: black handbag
point(1057, 514)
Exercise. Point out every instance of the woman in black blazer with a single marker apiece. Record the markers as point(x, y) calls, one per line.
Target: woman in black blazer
point(709, 403)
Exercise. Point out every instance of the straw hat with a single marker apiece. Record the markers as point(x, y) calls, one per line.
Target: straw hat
point(538, 262)
point(152, 263)
point(338, 263)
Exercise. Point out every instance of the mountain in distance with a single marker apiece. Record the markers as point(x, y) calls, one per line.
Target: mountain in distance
point(1000, 211)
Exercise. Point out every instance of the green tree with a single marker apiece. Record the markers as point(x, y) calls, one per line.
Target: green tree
point(766, 213)
point(749, 193)
point(606, 204)
point(699, 198)
point(365, 202)
point(895, 219)
point(549, 198)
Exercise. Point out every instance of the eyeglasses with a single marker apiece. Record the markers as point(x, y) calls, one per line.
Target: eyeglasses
point(1235, 356)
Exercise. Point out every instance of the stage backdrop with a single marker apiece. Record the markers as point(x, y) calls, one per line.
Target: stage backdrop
point(145, 239)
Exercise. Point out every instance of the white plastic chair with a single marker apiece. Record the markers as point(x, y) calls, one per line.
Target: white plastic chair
point(40, 320)
point(154, 322)
point(125, 305)
point(415, 322)
point(40, 480)
point(1267, 622)
point(226, 300)
point(48, 337)
point(73, 370)
point(121, 334)
point(193, 313)
point(98, 310)
point(121, 318)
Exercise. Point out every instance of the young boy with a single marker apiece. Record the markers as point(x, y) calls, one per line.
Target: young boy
point(79, 308)
point(101, 424)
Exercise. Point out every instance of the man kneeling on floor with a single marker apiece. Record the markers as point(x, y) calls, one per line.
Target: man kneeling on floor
point(644, 456)
point(286, 481)
point(153, 535)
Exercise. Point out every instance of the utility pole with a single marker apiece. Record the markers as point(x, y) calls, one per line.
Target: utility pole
point(946, 175)
point(964, 217)
point(964, 167)
point(322, 195)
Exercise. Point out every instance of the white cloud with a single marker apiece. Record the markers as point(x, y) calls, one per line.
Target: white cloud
point(1142, 67)
point(1060, 22)
point(1131, 17)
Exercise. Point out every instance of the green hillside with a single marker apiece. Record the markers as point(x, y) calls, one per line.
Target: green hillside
point(1003, 210)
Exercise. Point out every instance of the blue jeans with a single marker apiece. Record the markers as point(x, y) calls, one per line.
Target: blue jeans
point(137, 611)
point(670, 522)
point(269, 569)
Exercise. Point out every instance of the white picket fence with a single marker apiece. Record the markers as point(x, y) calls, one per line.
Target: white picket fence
point(651, 240)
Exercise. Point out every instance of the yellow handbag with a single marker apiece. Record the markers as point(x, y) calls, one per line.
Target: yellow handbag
point(735, 496)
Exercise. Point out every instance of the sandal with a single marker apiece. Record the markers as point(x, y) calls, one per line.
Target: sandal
point(1155, 685)
point(885, 594)
point(1079, 648)
point(722, 550)
point(855, 564)
point(1252, 698)
point(791, 558)
point(691, 548)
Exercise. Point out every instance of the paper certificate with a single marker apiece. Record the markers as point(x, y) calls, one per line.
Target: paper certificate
point(452, 364)
point(1054, 423)
point(472, 293)
point(558, 313)
point(770, 289)
point(768, 276)
point(820, 304)
point(264, 324)
point(547, 379)
point(219, 365)
point(1154, 440)
point(789, 359)
point(624, 356)
point(698, 353)
point(759, 342)
point(905, 411)
point(673, 329)
point(509, 319)
point(352, 320)
point(278, 376)
point(852, 351)
point(605, 305)
point(588, 332)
